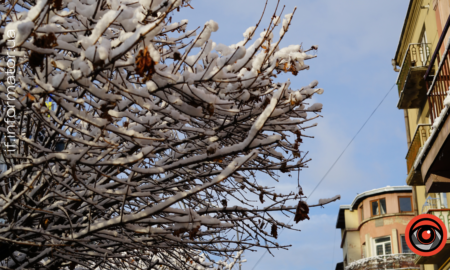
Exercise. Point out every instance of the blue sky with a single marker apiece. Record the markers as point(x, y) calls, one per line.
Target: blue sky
point(357, 40)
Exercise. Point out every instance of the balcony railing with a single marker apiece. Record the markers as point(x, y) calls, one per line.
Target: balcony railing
point(434, 202)
point(417, 55)
point(437, 205)
point(437, 90)
point(393, 261)
point(420, 137)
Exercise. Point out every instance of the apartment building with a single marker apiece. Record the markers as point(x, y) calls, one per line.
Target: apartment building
point(423, 82)
point(373, 227)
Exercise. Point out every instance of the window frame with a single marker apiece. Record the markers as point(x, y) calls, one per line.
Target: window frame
point(412, 205)
point(378, 201)
point(362, 212)
point(383, 245)
point(401, 244)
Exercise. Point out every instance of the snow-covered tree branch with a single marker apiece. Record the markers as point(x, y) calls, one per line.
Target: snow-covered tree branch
point(132, 142)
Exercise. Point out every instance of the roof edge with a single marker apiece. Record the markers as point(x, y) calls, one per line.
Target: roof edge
point(342, 208)
point(378, 191)
point(408, 12)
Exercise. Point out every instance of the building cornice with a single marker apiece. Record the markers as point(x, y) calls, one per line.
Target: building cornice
point(340, 222)
point(385, 216)
point(404, 28)
point(378, 191)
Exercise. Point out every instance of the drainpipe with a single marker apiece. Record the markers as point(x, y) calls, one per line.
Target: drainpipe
point(408, 134)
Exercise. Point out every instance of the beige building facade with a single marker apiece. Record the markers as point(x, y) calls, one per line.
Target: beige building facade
point(423, 61)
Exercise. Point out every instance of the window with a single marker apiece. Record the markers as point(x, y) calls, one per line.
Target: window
point(405, 204)
point(383, 246)
point(362, 212)
point(378, 207)
point(405, 248)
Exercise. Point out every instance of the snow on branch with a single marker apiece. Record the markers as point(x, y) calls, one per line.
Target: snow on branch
point(131, 142)
point(327, 201)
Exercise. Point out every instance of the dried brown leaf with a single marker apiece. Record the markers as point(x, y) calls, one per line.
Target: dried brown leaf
point(44, 223)
point(261, 197)
point(193, 232)
point(210, 109)
point(302, 211)
point(210, 150)
point(177, 233)
point(36, 60)
point(176, 56)
point(30, 96)
point(144, 65)
point(224, 202)
point(274, 230)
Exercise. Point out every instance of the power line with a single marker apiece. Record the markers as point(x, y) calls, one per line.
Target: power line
point(345, 149)
point(332, 166)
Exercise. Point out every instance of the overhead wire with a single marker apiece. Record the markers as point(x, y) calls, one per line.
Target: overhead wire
point(332, 166)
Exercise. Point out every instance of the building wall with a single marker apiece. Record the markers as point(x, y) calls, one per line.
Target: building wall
point(392, 224)
point(351, 220)
point(433, 18)
point(358, 234)
point(419, 18)
point(388, 225)
point(353, 246)
point(409, 30)
point(421, 197)
point(442, 10)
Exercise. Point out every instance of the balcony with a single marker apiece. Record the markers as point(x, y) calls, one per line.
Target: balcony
point(440, 84)
point(412, 87)
point(437, 205)
point(394, 261)
point(435, 159)
point(420, 137)
point(434, 205)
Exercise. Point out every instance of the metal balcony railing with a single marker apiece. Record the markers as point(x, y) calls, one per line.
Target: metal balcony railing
point(434, 202)
point(437, 205)
point(437, 90)
point(391, 262)
point(420, 137)
point(417, 55)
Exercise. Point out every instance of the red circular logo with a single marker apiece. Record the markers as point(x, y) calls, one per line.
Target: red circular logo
point(426, 235)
